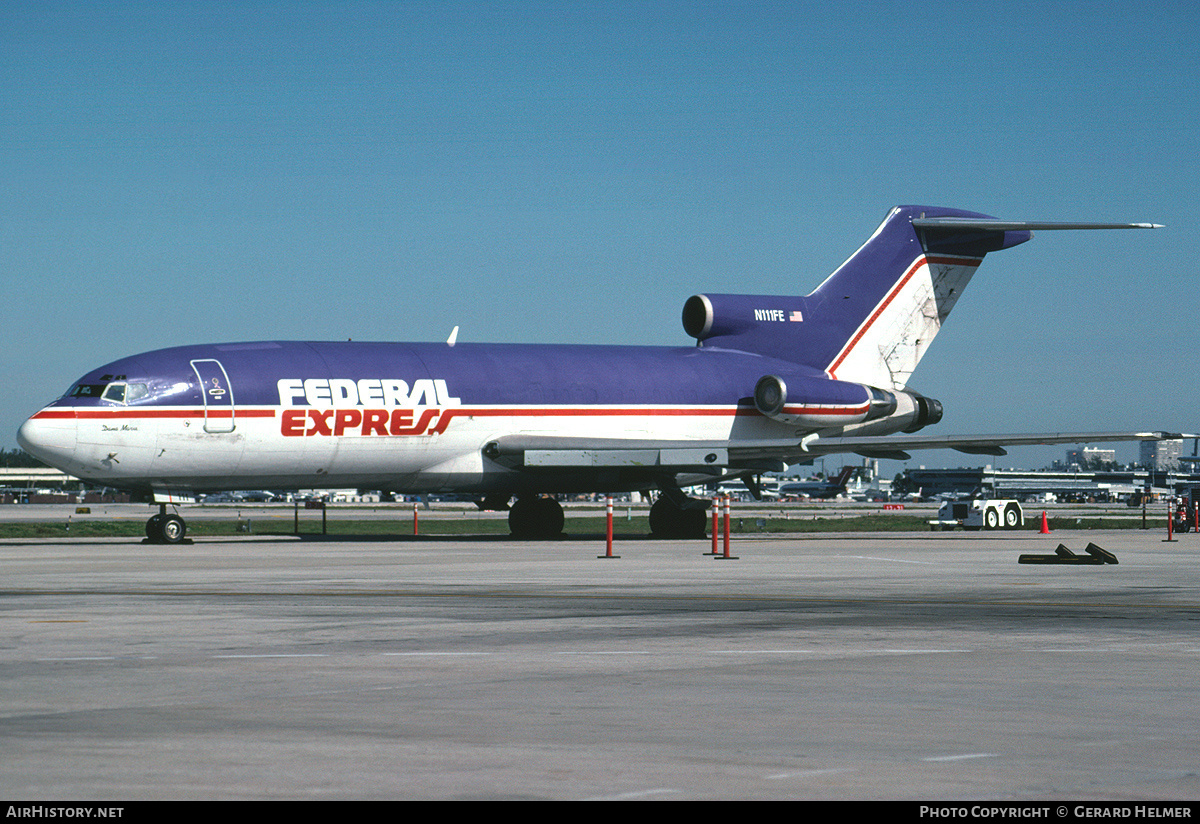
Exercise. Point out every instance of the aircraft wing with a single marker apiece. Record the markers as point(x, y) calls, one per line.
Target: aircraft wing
point(897, 447)
point(553, 452)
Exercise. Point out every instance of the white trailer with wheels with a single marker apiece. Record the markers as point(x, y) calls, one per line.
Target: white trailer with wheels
point(981, 513)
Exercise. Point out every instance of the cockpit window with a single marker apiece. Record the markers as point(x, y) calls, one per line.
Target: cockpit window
point(122, 392)
point(86, 390)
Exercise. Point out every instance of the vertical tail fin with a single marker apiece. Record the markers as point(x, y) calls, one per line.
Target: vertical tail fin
point(872, 320)
point(883, 307)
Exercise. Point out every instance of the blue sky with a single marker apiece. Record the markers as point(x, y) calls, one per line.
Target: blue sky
point(572, 172)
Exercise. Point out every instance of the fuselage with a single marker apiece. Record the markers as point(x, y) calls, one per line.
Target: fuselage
point(403, 417)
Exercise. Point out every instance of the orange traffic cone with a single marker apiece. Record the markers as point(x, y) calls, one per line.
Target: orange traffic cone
point(1045, 530)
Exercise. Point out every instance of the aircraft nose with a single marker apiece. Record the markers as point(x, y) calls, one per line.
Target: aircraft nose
point(49, 437)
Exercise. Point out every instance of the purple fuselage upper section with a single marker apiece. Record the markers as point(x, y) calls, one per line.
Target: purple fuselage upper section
point(474, 374)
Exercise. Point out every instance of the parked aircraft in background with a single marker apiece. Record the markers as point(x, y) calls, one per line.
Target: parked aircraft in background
point(830, 488)
point(771, 380)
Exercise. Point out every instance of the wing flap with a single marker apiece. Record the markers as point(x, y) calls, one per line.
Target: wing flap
point(654, 456)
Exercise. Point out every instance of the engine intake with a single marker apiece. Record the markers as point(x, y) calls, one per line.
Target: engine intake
point(698, 317)
point(770, 395)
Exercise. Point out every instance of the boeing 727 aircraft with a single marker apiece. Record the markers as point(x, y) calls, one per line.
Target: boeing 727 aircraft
point(770, 381)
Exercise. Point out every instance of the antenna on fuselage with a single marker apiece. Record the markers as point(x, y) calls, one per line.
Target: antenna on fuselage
point(453, 336)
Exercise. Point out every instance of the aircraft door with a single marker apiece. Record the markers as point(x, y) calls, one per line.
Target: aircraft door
point(217, 395)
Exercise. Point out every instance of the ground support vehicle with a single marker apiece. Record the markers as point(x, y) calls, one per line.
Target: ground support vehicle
point(980, 513)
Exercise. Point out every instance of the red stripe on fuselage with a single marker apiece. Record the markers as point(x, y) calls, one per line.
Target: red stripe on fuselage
point(91, 413)
point(449, 413)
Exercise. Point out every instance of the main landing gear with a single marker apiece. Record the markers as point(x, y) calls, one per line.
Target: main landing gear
point(166, 528)
point(536, 518)
point(675, 515)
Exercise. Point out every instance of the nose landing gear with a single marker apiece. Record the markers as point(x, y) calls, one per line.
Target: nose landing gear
point(165, 528)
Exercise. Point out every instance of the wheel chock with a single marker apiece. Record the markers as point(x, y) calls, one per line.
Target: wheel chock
point(1103, 554)
point(1095, 556)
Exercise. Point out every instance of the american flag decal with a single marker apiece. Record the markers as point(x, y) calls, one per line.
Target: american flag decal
point(796, 316)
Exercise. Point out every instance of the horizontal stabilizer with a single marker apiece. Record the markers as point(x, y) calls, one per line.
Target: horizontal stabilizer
point(992, 225)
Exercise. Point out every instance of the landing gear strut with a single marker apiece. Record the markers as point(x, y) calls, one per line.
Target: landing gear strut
point(165, 529)
point(536, 518)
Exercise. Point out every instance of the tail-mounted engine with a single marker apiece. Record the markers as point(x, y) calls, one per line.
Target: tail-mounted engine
point(818, 402)
point(758, 323)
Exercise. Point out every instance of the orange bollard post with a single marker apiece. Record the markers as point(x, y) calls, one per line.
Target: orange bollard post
point(727, 556)
point(608, 511)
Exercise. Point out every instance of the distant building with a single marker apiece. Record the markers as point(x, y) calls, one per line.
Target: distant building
point(1091, 457)
point(1075, 484)
point(1160, 455)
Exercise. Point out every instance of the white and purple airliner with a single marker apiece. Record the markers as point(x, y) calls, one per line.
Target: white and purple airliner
point(770, 381)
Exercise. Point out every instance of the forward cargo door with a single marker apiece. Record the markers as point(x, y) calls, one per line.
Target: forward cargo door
point(217, 395)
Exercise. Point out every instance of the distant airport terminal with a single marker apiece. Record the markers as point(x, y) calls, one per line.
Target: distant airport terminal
point(1116, 485)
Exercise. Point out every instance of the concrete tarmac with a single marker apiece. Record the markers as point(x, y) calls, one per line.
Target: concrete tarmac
point(922, 666)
